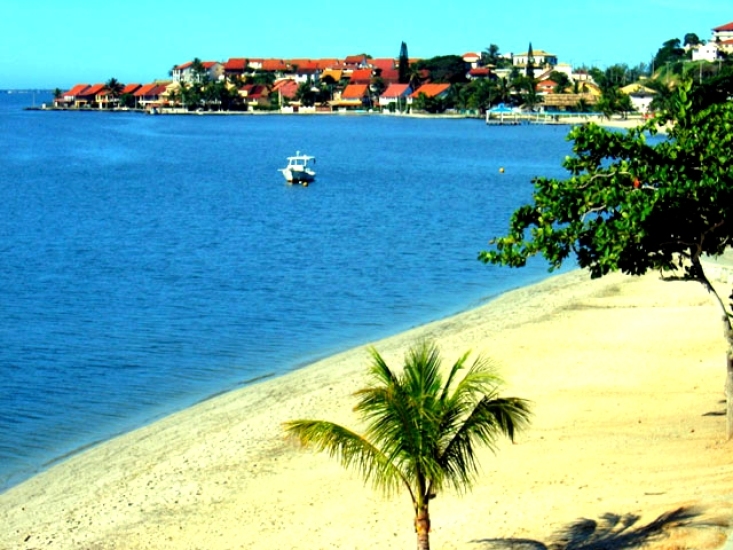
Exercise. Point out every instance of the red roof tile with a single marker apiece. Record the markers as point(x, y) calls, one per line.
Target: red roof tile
point(385, 64)
point(288, 88)
point(396, 90)
point(390, 75)
point(130, 88)
point(145, 90)
point(274, 65)
point(355, 91)
point(724, 28)
point(354, 59)
point(480, 71)
point(361, 76)
point(430, 90)
point(329, 64)
point(235, 64)
point(76, 90)
point(91, 90)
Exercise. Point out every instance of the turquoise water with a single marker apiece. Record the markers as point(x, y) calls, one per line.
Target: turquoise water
point(151, 262)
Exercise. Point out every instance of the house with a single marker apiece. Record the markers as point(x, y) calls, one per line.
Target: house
point(723, 36)
point(150, 95)
point(255, 94)
point(305, 70)
point(479, 72)
point(395, 94)
point(235, 66)
point(185, 72)
point(91, 96)
point(723, 33)
point(68, 99)
point(277, 66)
point(354, 96)
point(334, 74)
point(361, 76)
point(546, 86)
point(473, 59)
point(389, 76)
point(706, 52)
point(383, 64)
point(353, 62)
point(324, 64)
point(430, 90)
point(286, 88)
point(540, 58)
point(640, 96)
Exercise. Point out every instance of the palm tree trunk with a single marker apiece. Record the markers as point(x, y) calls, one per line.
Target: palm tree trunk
point(422, 527)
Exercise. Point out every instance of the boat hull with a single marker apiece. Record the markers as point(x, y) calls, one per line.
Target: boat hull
point(298, 176)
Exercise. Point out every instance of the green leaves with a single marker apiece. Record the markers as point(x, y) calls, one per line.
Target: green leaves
point(422, 429)
point(629, 205)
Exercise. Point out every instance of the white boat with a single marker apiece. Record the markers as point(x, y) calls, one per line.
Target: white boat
point(299, 169)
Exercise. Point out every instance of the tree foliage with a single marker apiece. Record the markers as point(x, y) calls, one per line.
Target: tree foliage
point(444, 68)
point(403, 65)
point(422, 430)
point(632, 205)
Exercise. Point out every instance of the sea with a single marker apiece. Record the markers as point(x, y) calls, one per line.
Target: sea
point(151, 262)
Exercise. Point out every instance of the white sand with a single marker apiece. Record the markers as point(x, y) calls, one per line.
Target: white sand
point(626, 376)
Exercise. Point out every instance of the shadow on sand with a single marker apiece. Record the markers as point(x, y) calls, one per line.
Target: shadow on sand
point(610, 532)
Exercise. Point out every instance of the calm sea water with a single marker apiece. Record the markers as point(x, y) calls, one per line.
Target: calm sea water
point(150, 262)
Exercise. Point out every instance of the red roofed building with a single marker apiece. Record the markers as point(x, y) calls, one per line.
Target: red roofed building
point(546, 86)
point(389, 76)
point(479, 72)
point(90, 96)
point(275, 66)
point(354, 96)
point(356, 61)
point(236, 66)
point(287, 88)
point(723, 37)
point(255, 94)
point(150, 95)
point(396, 94)
point(361, 76)
point(68, 99)
point(431, 90)
point(383, 64)
point(185, 72)
point(324, 64)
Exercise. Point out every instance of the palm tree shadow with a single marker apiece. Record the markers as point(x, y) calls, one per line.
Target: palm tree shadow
point(610, 532)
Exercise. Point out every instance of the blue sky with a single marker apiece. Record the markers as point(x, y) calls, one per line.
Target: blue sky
point(49, 44)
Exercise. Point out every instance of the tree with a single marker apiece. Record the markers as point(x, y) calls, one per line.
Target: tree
point(561, 80)
point(529, 72)
point(444, 68)
point(633, 206)
point(670, 52)
point(490, 56)
point(691, 39)
point(422, 430)
point(404, 65)
point(115, 88)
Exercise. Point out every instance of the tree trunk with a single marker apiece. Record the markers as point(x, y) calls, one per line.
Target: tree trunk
point(422, 527)
point(729, 382)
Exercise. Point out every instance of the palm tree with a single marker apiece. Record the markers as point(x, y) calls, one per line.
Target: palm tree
point(422, 431)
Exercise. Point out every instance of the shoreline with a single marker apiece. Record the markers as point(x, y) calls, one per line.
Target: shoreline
point(220, 474)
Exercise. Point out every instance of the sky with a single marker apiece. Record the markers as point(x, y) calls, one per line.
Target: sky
point(53, 44)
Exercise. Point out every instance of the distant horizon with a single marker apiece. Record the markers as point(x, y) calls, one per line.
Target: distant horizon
point(49, 45)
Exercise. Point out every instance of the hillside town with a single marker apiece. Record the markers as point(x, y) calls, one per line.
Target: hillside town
point(470, 83)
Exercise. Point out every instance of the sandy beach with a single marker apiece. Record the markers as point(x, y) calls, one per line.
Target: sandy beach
point(626, 448)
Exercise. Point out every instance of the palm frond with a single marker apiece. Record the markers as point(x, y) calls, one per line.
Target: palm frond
point(351, 449)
